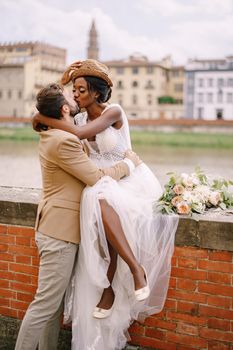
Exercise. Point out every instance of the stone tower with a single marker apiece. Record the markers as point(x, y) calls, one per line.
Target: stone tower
point(93, 49)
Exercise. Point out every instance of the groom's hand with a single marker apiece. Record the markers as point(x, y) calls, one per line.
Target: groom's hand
point(133, 157)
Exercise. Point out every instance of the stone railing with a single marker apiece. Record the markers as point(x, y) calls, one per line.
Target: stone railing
point(198, 312)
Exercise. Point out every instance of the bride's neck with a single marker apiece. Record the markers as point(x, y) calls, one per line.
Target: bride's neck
point(94, 111)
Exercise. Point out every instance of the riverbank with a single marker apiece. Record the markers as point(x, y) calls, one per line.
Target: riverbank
point(147, 138)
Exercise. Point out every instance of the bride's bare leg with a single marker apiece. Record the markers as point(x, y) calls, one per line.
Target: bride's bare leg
point(117, 240)
point(108, 296)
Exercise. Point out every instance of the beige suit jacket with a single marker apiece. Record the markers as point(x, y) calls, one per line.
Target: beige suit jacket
point(66, 170)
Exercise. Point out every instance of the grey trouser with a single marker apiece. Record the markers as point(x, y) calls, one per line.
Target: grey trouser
point(41, 322)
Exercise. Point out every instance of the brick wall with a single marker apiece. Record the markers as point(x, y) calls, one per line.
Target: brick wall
point(198, 313)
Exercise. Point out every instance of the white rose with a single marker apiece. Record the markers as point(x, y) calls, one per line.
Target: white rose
point(214, 198)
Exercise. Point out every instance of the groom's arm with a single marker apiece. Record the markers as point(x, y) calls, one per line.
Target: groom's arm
point(73, 159)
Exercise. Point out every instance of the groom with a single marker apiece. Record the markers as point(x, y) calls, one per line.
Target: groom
point(66, 170)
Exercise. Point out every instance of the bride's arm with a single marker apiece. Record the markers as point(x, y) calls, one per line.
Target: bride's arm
point(92, 128)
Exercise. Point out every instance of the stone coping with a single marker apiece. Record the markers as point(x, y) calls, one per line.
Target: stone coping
point(18, 206)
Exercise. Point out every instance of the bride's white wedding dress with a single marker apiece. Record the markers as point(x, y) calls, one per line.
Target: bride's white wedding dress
point(150, 235)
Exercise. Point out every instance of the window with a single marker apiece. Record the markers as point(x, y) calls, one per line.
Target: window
point(175, 73)
point(219, 114)
point(120, 100)
point(220, 82)
point(210, 97)
point(149, 85)
point(200, 97)
point(150, 70)
point(210, 82)
point(220, 97)
point(200, 113)
point(19, 94)
point(149, 99)
point(230, 82)
point(134, 84)
point(0, 94)
point(178, 87)
point(120, 70)
point(119, 84)
point(229, 97)
point(135, 70)
point(134, 99)
point(200, 82)
point(9, 94)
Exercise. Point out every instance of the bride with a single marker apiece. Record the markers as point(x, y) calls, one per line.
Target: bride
point(122, 272)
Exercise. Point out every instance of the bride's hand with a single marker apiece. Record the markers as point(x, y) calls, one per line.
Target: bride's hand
point(133, 157)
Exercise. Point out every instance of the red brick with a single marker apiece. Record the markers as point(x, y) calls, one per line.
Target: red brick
point(19, 305)
point(187, 262)
point(8, 312)
point(21, 231)
point(24, 297)
point(4, 302)
point(154, 322)
point(155, 333)
point(3, 265)
point(4, 284)
point(7, 275)
point(137, 329)
point(188, 296)
point(22, 287)
point(170, 304)
point(7, 293)
point(186, 284)
point(185, 347)
point(185, 328)
point(186, 340)
point(215, 312)
point(190, 308)
point(3, 229)
point(7, 239)
point(23, 241)
point(21, 250)
point(196, 320)
point(215, 334)
point(218, 266)
point(219, 301)
point(152, 343)
point(35, 261)
point(172, 282)
point(6, 257)
point(215, 289)
point(30, 270)
point(224, 325)
point(23, 259)
point(19, 277)
point(21, 314)
point(191, 252)
point(174, 261)
point(213, 345)
point(221, 256)
point(217, 277)
point(34, 280)
point(188, 273)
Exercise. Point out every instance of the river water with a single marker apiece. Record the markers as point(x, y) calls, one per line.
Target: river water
point(19, 164)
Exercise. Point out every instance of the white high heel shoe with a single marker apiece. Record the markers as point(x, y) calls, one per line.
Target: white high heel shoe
point(101, 313)
point(143, 293)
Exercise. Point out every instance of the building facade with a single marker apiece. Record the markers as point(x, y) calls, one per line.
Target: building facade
point(26, 67)
point(209, 89)
point(147, 89)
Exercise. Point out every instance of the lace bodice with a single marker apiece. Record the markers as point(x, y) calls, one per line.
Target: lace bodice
point(110, 145)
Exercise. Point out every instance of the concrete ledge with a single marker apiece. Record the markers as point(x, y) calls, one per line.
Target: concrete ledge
point(18, 206)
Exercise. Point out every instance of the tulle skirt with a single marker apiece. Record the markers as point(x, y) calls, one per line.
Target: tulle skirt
point(151, 237)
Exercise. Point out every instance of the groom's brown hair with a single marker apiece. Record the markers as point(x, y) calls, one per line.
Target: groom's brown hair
point(50, 100)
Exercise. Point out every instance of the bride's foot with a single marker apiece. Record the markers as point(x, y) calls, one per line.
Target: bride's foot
point(142, 289)
point(104, 308)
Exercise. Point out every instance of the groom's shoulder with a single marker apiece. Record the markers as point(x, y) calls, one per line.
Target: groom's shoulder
point(58, 137)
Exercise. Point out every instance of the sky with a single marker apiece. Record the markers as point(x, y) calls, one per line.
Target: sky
point(184, 29)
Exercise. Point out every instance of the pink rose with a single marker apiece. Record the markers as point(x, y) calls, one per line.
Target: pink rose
point(176, 200)
point(178, 189)
point(183, 208)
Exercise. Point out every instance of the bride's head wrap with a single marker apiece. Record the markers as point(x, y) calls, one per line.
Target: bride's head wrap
point(91, 68)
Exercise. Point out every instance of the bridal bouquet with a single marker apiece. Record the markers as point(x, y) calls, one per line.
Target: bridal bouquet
point(195, 193)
